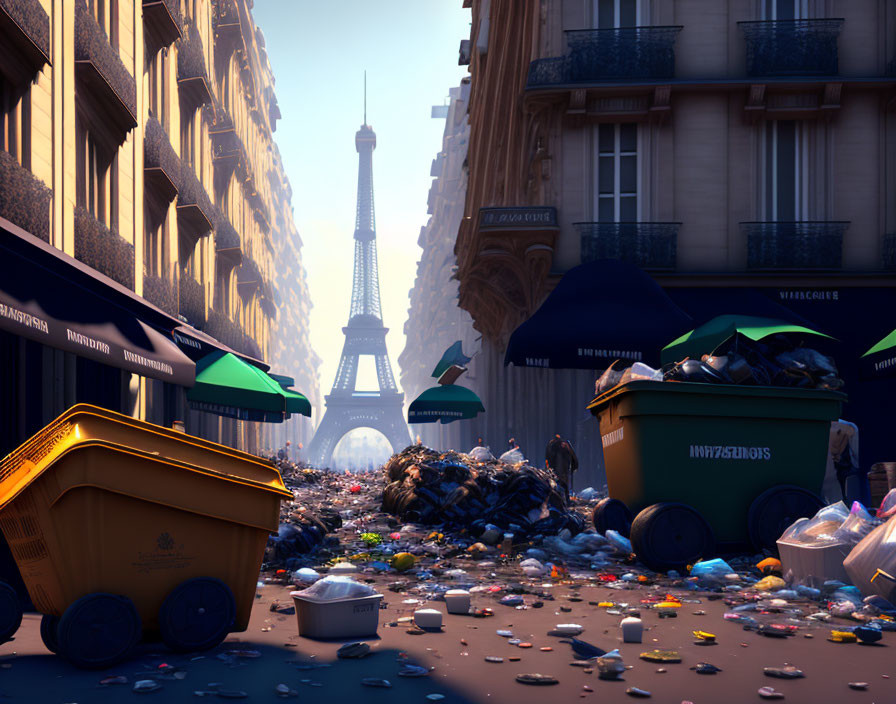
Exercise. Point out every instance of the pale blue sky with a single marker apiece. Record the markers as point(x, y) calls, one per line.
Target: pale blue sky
point(319, 51)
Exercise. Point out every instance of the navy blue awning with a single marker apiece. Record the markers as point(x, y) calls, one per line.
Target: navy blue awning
point(704, 304)
point(47, 296)
point(599, 312)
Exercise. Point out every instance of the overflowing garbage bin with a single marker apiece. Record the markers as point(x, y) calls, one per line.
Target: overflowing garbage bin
point(706, 464)
point(120, 527)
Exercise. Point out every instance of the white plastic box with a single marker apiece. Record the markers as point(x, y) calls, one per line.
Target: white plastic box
point(338, 618)
point(813, 565)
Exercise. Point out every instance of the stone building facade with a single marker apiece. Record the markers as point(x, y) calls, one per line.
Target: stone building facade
point(142, 131)
point(434, 319)
point(736, 145)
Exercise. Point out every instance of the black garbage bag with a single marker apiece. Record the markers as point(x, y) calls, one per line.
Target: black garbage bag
point(452, 490)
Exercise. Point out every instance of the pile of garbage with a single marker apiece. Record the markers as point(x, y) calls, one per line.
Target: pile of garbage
point(457, 491)
point(739, 360)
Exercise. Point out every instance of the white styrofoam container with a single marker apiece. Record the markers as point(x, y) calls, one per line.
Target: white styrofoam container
point(813, 565)
point(339, 618)
point(457, 601)
point(428, 618)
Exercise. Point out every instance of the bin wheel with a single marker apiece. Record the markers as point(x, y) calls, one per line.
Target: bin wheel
point(775, 509)
point(49, 632)
point(10, 612)
point(670, 535)
point(98, 630)
point(197, 615)
point(612, 514)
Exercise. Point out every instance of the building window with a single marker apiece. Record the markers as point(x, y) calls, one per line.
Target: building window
point(188, 137)
point(155, 239)
point(15, 121)
point(786, 170)
point(784, 9)
point(97, 175)
point(105, 12)
point(610, 14)
point(158, 86)
point(617, 173)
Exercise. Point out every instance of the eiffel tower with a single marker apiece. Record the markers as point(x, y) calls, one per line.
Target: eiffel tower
point(365, 334)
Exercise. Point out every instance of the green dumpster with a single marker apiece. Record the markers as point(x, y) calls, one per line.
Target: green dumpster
point(742, 459)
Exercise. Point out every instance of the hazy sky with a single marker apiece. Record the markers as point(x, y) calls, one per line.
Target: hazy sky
point(319, 51)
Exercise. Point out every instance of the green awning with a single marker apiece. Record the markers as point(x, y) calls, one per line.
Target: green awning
point(446, 404)
point(226, 385)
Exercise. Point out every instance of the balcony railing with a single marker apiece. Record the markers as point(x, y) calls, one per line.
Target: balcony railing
point(192, 74)
point(889, 251)
point(792, 47)
point(164, 18)
point(794, 245)
point(25, 27)
point(160, 292)
point(24, 199)
point(162, 167)
point(248, 276)
point(193, 204)
point(101, 72)
point(598, 55)
point(650, 245)
point(226, 15)
point(226, 236)
point(221, 327)
point(104, 250)
point(191, 296)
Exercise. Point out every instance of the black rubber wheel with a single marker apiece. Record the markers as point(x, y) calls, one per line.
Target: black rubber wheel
point(197, 615)
point(670, 536)
point(49, 632)
point(776, 509)
point(98, 630)
point(10, 612)
point(612, 514)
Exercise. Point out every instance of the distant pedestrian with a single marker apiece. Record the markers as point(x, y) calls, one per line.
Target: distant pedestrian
point(561, 458)
point(283, 453)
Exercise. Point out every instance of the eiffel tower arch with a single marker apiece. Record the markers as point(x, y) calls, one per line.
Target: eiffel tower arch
point(365, 334)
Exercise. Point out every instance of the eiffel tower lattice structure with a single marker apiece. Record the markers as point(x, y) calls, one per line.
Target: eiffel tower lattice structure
point(365, 334)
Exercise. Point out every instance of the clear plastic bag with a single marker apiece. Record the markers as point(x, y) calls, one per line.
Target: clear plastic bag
point(333, 587)
point(512, 457)
point(820, 529)
point(859, 524)
point(871, 565)
point(888, 505)
point(481, 454)
point(641, 372)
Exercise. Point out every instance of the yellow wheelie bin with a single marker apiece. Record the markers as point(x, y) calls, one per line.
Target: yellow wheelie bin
point(121, 527)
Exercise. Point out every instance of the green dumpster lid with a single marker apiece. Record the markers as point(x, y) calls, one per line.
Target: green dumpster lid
point(707, 337)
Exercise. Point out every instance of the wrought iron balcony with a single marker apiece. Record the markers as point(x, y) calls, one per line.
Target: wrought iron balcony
point(104, 250)
point(161, 165)
point(248, 276)
point(101, 73)
point(599, 55)
point(889, 251)
point(226, 236)
point(163, 16)
point(192, 75)
point(193, 204)
point(650, 245)
point(24, 199)
point(226, 16)
point(25, 28)
point(191, 299)
point(160, 292)
point(221, 327)
point(792, 47)
point(794, 245)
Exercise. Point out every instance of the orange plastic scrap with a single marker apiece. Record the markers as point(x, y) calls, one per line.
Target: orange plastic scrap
point(769, 564)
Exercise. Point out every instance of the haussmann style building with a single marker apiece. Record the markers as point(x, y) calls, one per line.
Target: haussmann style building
point(737, 150)
point(144, 212)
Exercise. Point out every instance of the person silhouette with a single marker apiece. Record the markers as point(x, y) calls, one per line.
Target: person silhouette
point(561, 459)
